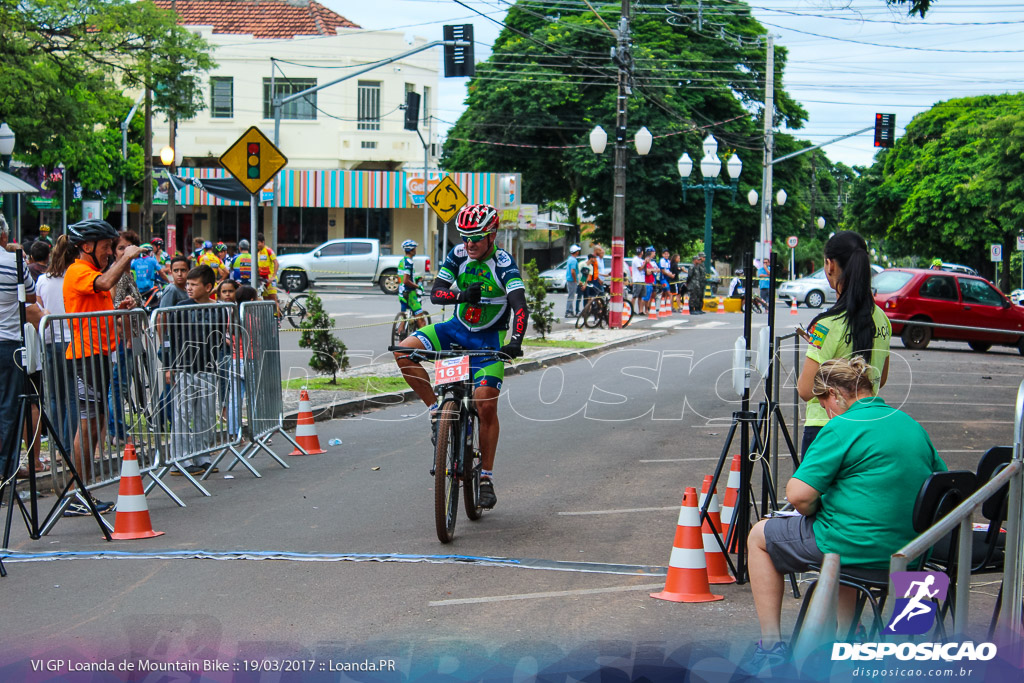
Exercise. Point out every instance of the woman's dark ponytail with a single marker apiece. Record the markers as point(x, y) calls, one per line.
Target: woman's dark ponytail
point(856, 303)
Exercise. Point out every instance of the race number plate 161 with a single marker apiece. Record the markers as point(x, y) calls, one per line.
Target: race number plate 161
point(450, 370)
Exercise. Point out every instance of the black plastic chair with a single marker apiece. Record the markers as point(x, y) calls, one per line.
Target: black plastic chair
point(940, 493)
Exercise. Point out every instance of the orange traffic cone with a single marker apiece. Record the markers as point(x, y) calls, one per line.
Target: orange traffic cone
point(664, 311)
point(305, 429)
point(732, 494)
point(718, 568)
point(687, 579)
point(132, 518)
point(686, 305)
point(652, 308)
point(721, 305)
point(792, 308)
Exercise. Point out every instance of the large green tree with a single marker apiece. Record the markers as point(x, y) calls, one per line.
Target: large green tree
point(67, 64)
point(549, 81)
point(952, 185)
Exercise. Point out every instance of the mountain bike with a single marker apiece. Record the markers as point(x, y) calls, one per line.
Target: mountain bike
point(457, 451)
point(293, 308)
point(595, 313)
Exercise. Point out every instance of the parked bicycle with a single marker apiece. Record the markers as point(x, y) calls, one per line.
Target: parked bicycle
point(294, 308)
point(457, 451)
point(595, 312)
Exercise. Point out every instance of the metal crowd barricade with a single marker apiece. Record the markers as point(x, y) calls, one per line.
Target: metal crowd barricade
point(262, 357)
point(97, 390)
point(1013, 566)
point(197, 414)
point(784, 376)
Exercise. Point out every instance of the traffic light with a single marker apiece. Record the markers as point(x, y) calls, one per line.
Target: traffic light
point(412, 110)
point(253, 160)
point(459, 61)
point(885, 130)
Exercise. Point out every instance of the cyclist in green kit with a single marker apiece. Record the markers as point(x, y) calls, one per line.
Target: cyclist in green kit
point(408, 290)
point(490, 313)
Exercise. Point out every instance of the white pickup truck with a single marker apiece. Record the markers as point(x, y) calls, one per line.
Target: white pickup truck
point(343, 262)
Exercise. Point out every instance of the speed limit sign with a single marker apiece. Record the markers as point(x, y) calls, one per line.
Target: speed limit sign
point(792, 241)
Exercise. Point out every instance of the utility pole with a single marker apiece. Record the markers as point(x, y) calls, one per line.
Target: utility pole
point(765, 247)
point(146, 219)
point(624, 60)
point(172, 209)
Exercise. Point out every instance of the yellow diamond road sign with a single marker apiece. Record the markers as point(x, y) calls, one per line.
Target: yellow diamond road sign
point(253, 160)
point(446, 199)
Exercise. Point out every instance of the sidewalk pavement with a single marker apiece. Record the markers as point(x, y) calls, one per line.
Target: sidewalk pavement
point(330, 404)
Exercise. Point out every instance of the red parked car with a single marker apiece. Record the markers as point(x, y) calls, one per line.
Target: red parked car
point(942, 297)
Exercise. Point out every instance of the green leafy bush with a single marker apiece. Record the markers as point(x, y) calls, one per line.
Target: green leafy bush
point(329, 355)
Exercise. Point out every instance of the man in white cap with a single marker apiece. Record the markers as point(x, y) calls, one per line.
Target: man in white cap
point(572, 282)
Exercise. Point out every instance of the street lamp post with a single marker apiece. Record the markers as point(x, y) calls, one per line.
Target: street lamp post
point(63, 197)
point(710, 167)
point(170, 157)
point(6, 151)
point(598, 140)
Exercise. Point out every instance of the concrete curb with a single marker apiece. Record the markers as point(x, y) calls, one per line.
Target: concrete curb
point(329, 411)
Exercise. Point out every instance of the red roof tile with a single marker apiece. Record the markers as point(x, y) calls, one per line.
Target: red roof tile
point(259, 18)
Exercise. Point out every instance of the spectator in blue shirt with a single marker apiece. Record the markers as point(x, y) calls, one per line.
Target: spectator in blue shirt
point(572, 283)
point(146, 270)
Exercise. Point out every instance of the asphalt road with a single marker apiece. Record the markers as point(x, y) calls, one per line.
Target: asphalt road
point(594, 457)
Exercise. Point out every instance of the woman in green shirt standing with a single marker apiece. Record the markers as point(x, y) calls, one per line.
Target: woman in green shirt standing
point(854, 326)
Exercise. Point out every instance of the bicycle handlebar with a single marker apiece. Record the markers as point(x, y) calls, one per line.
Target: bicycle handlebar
point(429, 354)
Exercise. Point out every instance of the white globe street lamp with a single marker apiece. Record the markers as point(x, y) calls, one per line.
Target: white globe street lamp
point(643, 141)
point(598, 140)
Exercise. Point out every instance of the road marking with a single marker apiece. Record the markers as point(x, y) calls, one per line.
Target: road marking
point(680, 459)
point(615, 512)
point(547, 594)
point(669, 323)
point(710, 325)
point(376, 315)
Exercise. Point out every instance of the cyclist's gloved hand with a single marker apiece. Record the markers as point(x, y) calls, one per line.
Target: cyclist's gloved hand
point(471, 294)
point(511, 351)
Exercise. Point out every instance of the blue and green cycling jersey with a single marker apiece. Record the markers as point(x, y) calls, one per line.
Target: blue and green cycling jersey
point(497, 274)
point(405, 267)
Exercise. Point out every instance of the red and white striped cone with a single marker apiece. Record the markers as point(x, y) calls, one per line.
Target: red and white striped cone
point(687, 579)
point(718, 567)
point(732, 494)
point(663, 309)
point(132, 517)
point(685, 310)
point(305, 429)
point(652, 308)
point(721, 305)
point(792, 308)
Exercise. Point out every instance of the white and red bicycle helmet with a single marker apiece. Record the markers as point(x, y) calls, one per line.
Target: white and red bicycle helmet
point(477, 219)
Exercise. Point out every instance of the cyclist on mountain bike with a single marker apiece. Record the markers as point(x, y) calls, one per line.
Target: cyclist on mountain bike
point(148, 276)
point(408, 290)
point(491, 291)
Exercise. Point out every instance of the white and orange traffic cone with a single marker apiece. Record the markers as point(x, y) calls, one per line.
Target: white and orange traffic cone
point(132, 517)
point(685, 310)
point(721, 305)
point(718, 567)
point(652, 308)
point(687, 579)
point(664, 310)
point(792, 308)
point(305, 429)
point(732, 494)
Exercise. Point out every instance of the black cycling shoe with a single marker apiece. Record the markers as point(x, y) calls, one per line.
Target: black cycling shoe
point(487, 498)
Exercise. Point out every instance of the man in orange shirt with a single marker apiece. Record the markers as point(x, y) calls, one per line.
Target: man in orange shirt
point(87, 286)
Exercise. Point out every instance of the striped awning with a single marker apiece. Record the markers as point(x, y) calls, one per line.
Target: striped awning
point(346, 189)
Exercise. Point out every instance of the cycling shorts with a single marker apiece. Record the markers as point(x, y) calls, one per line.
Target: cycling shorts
point(270, 289)
point(487, 372)
point(411, 301)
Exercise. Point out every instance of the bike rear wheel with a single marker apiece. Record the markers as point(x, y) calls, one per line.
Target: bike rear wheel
point(446, 483)
point(295, 311)
point(471, 467)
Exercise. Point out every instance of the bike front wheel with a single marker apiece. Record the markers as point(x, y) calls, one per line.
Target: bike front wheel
point(627, 312)
point(296, 311)
point(593, 314)
point(396, 335)
point(471, 467)
point(446, 461)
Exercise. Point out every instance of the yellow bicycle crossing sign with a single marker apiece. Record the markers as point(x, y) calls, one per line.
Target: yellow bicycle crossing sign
point(446, 199)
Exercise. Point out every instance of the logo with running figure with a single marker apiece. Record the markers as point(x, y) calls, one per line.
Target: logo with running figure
point(921, 592)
